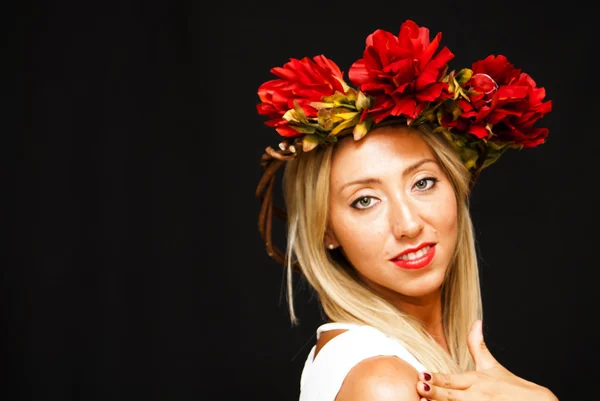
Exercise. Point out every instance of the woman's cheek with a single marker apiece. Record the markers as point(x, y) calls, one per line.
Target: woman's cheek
point(358, 233)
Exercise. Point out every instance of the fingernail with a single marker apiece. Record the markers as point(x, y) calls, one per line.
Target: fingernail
point(427, 376)
point(426, 386)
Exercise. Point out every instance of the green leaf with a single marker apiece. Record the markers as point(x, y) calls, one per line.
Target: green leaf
point(463, 76)
point(493, 156)
point(469, 157)
point(304, 129)
point(345, 124)
point(344, 84)
point(344, 116)
point(324, 119)
point(362, 101)
point(497, 145)
point(361, 129)
point(338, 99)
point(290, 116)
point(459, 141)
point(456, 111)
point(321, 105)
point(309, 142)
point(351, 95)
point(489, 128)
point(299, 113)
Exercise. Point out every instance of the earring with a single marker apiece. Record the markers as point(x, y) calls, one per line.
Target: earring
point(330, 246)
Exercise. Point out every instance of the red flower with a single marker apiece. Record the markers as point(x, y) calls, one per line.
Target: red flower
point(401, 72)
point(303, 81)
point(481, 89)
point(514, 118)
point(505, 99)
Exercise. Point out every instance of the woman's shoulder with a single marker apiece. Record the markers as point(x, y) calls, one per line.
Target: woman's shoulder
point(358, 358)
point(382, 378)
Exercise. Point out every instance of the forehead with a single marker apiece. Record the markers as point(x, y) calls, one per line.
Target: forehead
point(385, 150)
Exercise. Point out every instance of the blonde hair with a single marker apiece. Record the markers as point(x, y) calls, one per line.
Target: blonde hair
point(345, 298)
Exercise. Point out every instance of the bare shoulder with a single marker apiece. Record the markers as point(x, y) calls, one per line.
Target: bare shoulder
point(381, 378)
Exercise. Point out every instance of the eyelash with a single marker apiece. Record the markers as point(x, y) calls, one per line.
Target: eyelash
point(434, 181)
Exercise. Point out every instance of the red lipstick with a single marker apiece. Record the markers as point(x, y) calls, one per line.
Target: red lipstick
point(416, 263)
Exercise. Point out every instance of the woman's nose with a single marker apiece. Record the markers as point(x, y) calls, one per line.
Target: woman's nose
point(405, 219)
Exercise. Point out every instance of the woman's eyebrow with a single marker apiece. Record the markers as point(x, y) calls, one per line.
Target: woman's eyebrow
point(361, 181)
point(373, 180)
point(416, 165)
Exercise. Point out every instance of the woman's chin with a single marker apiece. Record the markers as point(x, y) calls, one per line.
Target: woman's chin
point(427, 284)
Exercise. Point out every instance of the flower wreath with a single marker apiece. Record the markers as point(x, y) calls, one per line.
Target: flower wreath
point(482, 110)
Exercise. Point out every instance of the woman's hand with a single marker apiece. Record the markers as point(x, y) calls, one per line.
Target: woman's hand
point(490, 381)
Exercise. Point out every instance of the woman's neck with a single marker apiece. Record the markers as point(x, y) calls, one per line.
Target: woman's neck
point(428, 310)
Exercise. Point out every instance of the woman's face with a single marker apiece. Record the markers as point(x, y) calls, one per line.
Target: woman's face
point(388, 196)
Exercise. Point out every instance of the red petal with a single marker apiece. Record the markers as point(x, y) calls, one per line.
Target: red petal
point(402, 66)
point(478, 130)
point(381, 109)
point(327, 64)
point(287, 131)
point(426, 78)
point(405, 107)
point(499, 68)
point(538, 136)
point(358, 73)
point(464, 105)
point(307, 75)
point(429, 50)
point(432, 71)
point(284, 72)
point(267, 109)
point(431, 93)
point(483, 113)
point(401, 88)
point(545, 107)
point(276, 122)
point(381, 41)
point(409, 34)
point(511, 92)
point(374, 87)
point(441, 59)
point(499, 114)
point(379, 116)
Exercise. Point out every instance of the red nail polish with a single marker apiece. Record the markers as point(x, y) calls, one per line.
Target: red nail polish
point(426, 386)
point(427, 376)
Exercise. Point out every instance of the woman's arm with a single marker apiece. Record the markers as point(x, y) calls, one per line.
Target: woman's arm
point(482, 386)
point(490, 380)
point(380, 378)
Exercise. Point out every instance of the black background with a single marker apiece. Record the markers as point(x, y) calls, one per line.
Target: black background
point(141, 272)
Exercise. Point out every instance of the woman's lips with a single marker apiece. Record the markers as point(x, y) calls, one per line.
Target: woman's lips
point(417, 263)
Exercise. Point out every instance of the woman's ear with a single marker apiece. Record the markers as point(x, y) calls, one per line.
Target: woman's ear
point(330, 239)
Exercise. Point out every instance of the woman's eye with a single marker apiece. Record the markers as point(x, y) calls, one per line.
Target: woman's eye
point(364, 202)
point(425, 183)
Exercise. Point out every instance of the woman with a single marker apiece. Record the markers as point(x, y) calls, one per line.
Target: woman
point(376, 185)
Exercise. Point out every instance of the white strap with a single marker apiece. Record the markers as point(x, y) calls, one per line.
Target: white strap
point(335, 326)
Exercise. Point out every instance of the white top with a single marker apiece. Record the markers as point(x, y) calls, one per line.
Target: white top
point(322, 377)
